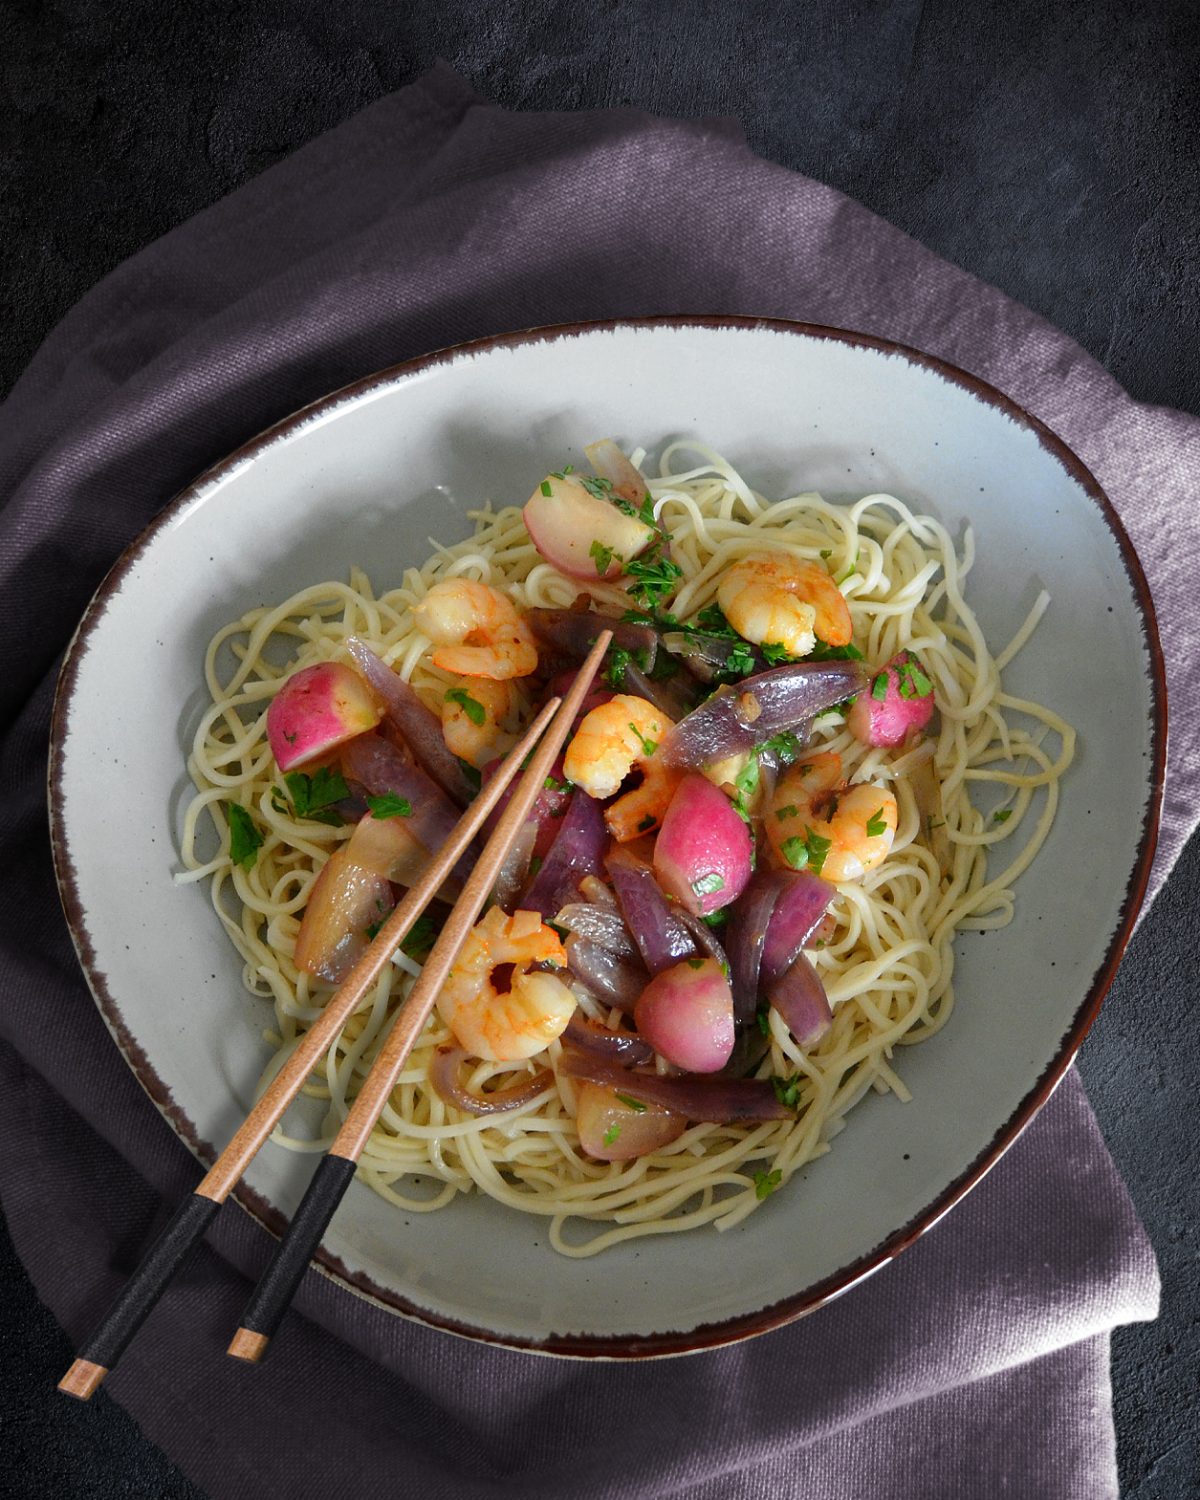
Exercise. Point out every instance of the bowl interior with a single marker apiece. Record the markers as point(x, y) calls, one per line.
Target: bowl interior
point(367, 478)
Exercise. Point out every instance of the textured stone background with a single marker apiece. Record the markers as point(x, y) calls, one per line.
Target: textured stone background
point(1052, 149)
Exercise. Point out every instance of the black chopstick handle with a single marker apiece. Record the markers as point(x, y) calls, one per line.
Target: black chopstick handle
point(186, 1227)
point(270, 1298)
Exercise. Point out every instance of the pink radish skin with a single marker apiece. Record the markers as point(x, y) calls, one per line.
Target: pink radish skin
point(686, 1014)
point(611, 1130)
point(891, 719)
point(576, 531)
point(703, 850)
point(316, 710)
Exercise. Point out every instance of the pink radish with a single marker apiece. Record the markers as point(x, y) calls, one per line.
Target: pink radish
point(316, 710)
point(897, 701)
point(580, 533)
point(686, 1014)
point(703, 850)
point(612, 1128)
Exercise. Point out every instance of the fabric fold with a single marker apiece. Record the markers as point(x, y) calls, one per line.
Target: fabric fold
point(979, 1356)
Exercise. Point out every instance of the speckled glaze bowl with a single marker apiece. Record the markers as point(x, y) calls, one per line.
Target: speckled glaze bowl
point(366, 476)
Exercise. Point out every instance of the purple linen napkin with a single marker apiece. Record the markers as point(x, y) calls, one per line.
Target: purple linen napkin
point(978, 1361)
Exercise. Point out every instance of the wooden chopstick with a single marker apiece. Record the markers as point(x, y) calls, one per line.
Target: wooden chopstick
point(273, 1294)
point(105, 1345)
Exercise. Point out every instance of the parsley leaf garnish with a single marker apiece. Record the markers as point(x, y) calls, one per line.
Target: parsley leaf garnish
point(775, 655)
point(695, 963)
point(473, 775)
point(790, 811)
point(653, 576)
point(390, 806)
point(611, 1134)
point(787, 1090)
point(786, 746)
point(596, 486)
point(1002, 816)
point(547, 488)
point(716, 918)
point(824, 652)
point(244, 838)
point(419, 939)
point(765, 1183)
point(876, 824)
point(647, 823)
point(602, 556)
point(648, 746)
point(810, 852)
point(740, 661)
point(850, 570)
point(634, 1104)
point(618, 660)
point(313, 796)
point(473, 709)
point(746, 784)
point(709, 884)
point(763, 1017)
point(879, 688)
point(711, 620)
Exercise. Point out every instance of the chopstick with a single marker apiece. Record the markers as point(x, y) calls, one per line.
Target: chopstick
point(107, 1342)
point(273, 1294)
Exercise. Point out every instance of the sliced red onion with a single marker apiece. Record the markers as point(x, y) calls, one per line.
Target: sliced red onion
point(384, 770)
point(799, 997)
point(672, 696)
point(513, 873)
point(444, 1076)
point(707, 656)
point(609, 978)
point(577, 851)
point(549, 806)
point(757, 708)
point(603, 925)
point(720, 1100)
point(802, 900)
point(420, 726)
point(574, 632)
point(657, 927)
point(748, 926)
point(624, 1047)
point(704, 937)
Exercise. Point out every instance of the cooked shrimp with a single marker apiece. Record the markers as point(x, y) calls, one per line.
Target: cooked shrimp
point(612, 740)
point(480, 719)
point(839, 831)
point(477, 630)
point(774, 599)
point(502, 1025)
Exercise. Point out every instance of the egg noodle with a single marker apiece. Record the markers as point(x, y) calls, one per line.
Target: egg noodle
point(887, 968)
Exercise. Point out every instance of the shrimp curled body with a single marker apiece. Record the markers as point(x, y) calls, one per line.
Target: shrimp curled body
point(774, 599)
point(505, 1025)
point(481, 719)
point(477, 631)
point(618, 737)
point(814, 809)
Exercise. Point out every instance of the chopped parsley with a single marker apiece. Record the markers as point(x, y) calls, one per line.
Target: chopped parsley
point(602, 556)
point(472, 707)
point(931, 823)
point(618, 660)
point(563, 472)
point(822, 651)
point(850, 570)
point(763, 1017)
point(635, 1104)
point(740, 661)
point(535, 864)
point(826, 552)
point(645, 513)
point(711, 620)
point(876, 824)
point(808, 852)
point(419, 939)
point(547, 488)
point(552, 784)
point(390, 806)
point(474, 776)
point(1002, 816)
point(313, 796)
point(611, 1134)
point(765, 1183)
point(879, 688)
point(244, 839)
point(695, 963)
point(787, 1090)
point(709, 884)
point(746, 784)
point(786, 746)
point(716, 918)
point(279, 802)
point(596, 486)
point(790, 811)
point(911, 681)
point(774, 654)
point(648, 746)
point(373, 931)
point(653, 576)
point(647, 823)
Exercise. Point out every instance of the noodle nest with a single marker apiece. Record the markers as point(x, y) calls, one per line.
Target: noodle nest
point(888, 967)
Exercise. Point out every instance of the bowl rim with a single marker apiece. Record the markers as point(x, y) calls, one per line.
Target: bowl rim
point(808, 1299)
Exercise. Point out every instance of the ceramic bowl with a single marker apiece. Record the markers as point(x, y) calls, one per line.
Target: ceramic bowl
point(366, 476)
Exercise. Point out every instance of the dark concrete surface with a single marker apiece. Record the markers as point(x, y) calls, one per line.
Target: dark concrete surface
point(1052, 149)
